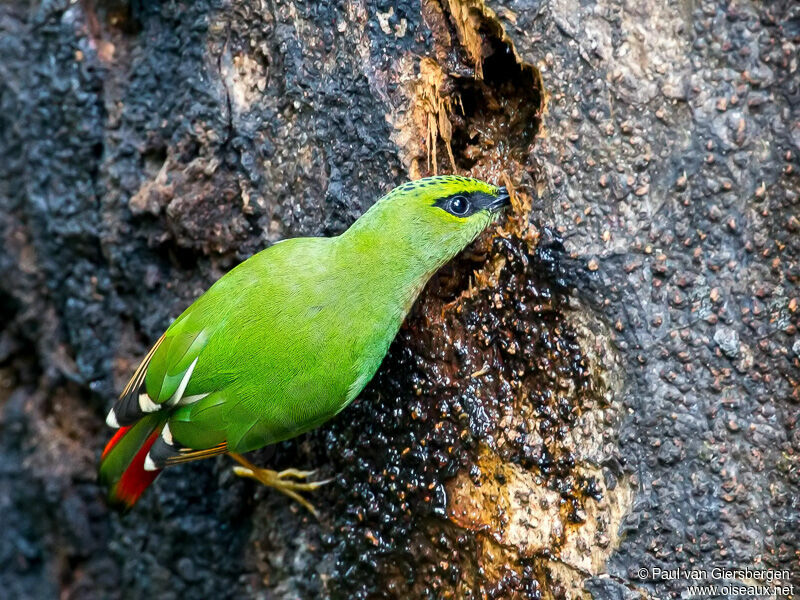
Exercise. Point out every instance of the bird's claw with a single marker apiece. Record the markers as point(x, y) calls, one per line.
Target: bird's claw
point(296, 474)
point(283, 482)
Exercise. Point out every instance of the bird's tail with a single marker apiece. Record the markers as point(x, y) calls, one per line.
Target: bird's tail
point(122, 462)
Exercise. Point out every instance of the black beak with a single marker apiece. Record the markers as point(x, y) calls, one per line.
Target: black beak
point(502, 200)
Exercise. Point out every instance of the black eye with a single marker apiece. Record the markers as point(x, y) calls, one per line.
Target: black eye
point(459, 206)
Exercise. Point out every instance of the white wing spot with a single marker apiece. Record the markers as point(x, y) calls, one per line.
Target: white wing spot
point(191, 399)
point(166, 434)
point(111, 419)
point(176, 397)
point(149, 465)
point(146, 404)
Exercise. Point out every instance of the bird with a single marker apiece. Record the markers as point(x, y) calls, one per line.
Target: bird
point(287, 339)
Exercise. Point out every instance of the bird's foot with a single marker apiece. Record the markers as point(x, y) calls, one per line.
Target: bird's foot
point(287, 482)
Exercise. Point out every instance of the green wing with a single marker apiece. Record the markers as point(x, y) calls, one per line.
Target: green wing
point(272, 350)
point(161, 379)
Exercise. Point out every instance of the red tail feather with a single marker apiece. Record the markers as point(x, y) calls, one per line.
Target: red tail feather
point(135, 479)
point(114, 440)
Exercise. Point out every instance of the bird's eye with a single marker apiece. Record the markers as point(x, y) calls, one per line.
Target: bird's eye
point(459, 206)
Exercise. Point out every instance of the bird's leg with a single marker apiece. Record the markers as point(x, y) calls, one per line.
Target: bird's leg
point(283, 481)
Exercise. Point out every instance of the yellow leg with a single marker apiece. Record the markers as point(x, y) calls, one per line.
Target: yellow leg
point(280, 481)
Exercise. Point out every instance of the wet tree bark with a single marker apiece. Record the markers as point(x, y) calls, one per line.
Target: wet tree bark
point(606, 383)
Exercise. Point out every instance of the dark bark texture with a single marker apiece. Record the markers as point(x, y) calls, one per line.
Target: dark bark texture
point(607, 381)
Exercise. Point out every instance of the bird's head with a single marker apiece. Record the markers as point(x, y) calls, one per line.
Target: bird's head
point(436, 216)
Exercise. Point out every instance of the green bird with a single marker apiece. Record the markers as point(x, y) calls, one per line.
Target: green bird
point(288, 338)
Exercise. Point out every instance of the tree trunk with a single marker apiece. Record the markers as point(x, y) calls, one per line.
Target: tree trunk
point(604, 385)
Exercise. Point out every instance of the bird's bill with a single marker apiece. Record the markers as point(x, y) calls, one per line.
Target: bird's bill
point(500, 201)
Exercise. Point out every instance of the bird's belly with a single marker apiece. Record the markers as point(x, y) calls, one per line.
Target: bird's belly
point(280, 382)
point(276, 413)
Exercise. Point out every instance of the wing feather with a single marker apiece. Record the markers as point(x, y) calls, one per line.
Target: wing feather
point(127, 404)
